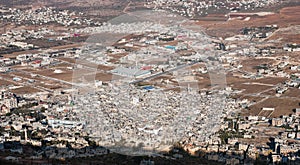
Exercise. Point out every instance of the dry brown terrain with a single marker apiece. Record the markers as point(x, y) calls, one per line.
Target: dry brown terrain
point(15, 54)
point(249, 64)
point(25, 90)
point(271, 80)
point(287, 17)
point(106, 77)
point(292, 92)
point(5, 83)
point(85, 63)
point(102, 10)
point(283, 106)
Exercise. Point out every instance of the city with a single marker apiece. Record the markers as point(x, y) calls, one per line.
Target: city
point(158, 82)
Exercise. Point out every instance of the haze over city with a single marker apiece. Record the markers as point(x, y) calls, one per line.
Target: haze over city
point(149, 82)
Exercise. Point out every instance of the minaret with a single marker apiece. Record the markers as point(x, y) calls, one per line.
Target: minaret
point(25, 134)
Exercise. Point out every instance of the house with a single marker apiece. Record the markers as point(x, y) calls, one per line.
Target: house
point(267, 109)
point(254, 118)
point(285, 149)
point(12, 158)
point(276, 158)
point(247, 136)
point(36, 63)
point(213, 157)
point(17, 79)
point(281, 90)
point(4, 109)
point(243, 146)
point(243, 126)
point(277, 122)
point(232, 141)
point(294, 68)
point(147, 162)
point(232, 161)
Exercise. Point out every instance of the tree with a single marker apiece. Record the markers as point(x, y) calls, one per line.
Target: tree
point(43, 109)
point(8, 114)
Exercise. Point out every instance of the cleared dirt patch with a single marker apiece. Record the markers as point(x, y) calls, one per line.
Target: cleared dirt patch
point(25, 90)
point(283, 106)
point(66, 75)
point(106, 77)
point(86, 63)
point(292, 92)
point(252, 89)
point(252, 64)
point(271, 80)
point(5, 83)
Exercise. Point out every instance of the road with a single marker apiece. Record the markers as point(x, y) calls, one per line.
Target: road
point(162, 73)
point(127, 6)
